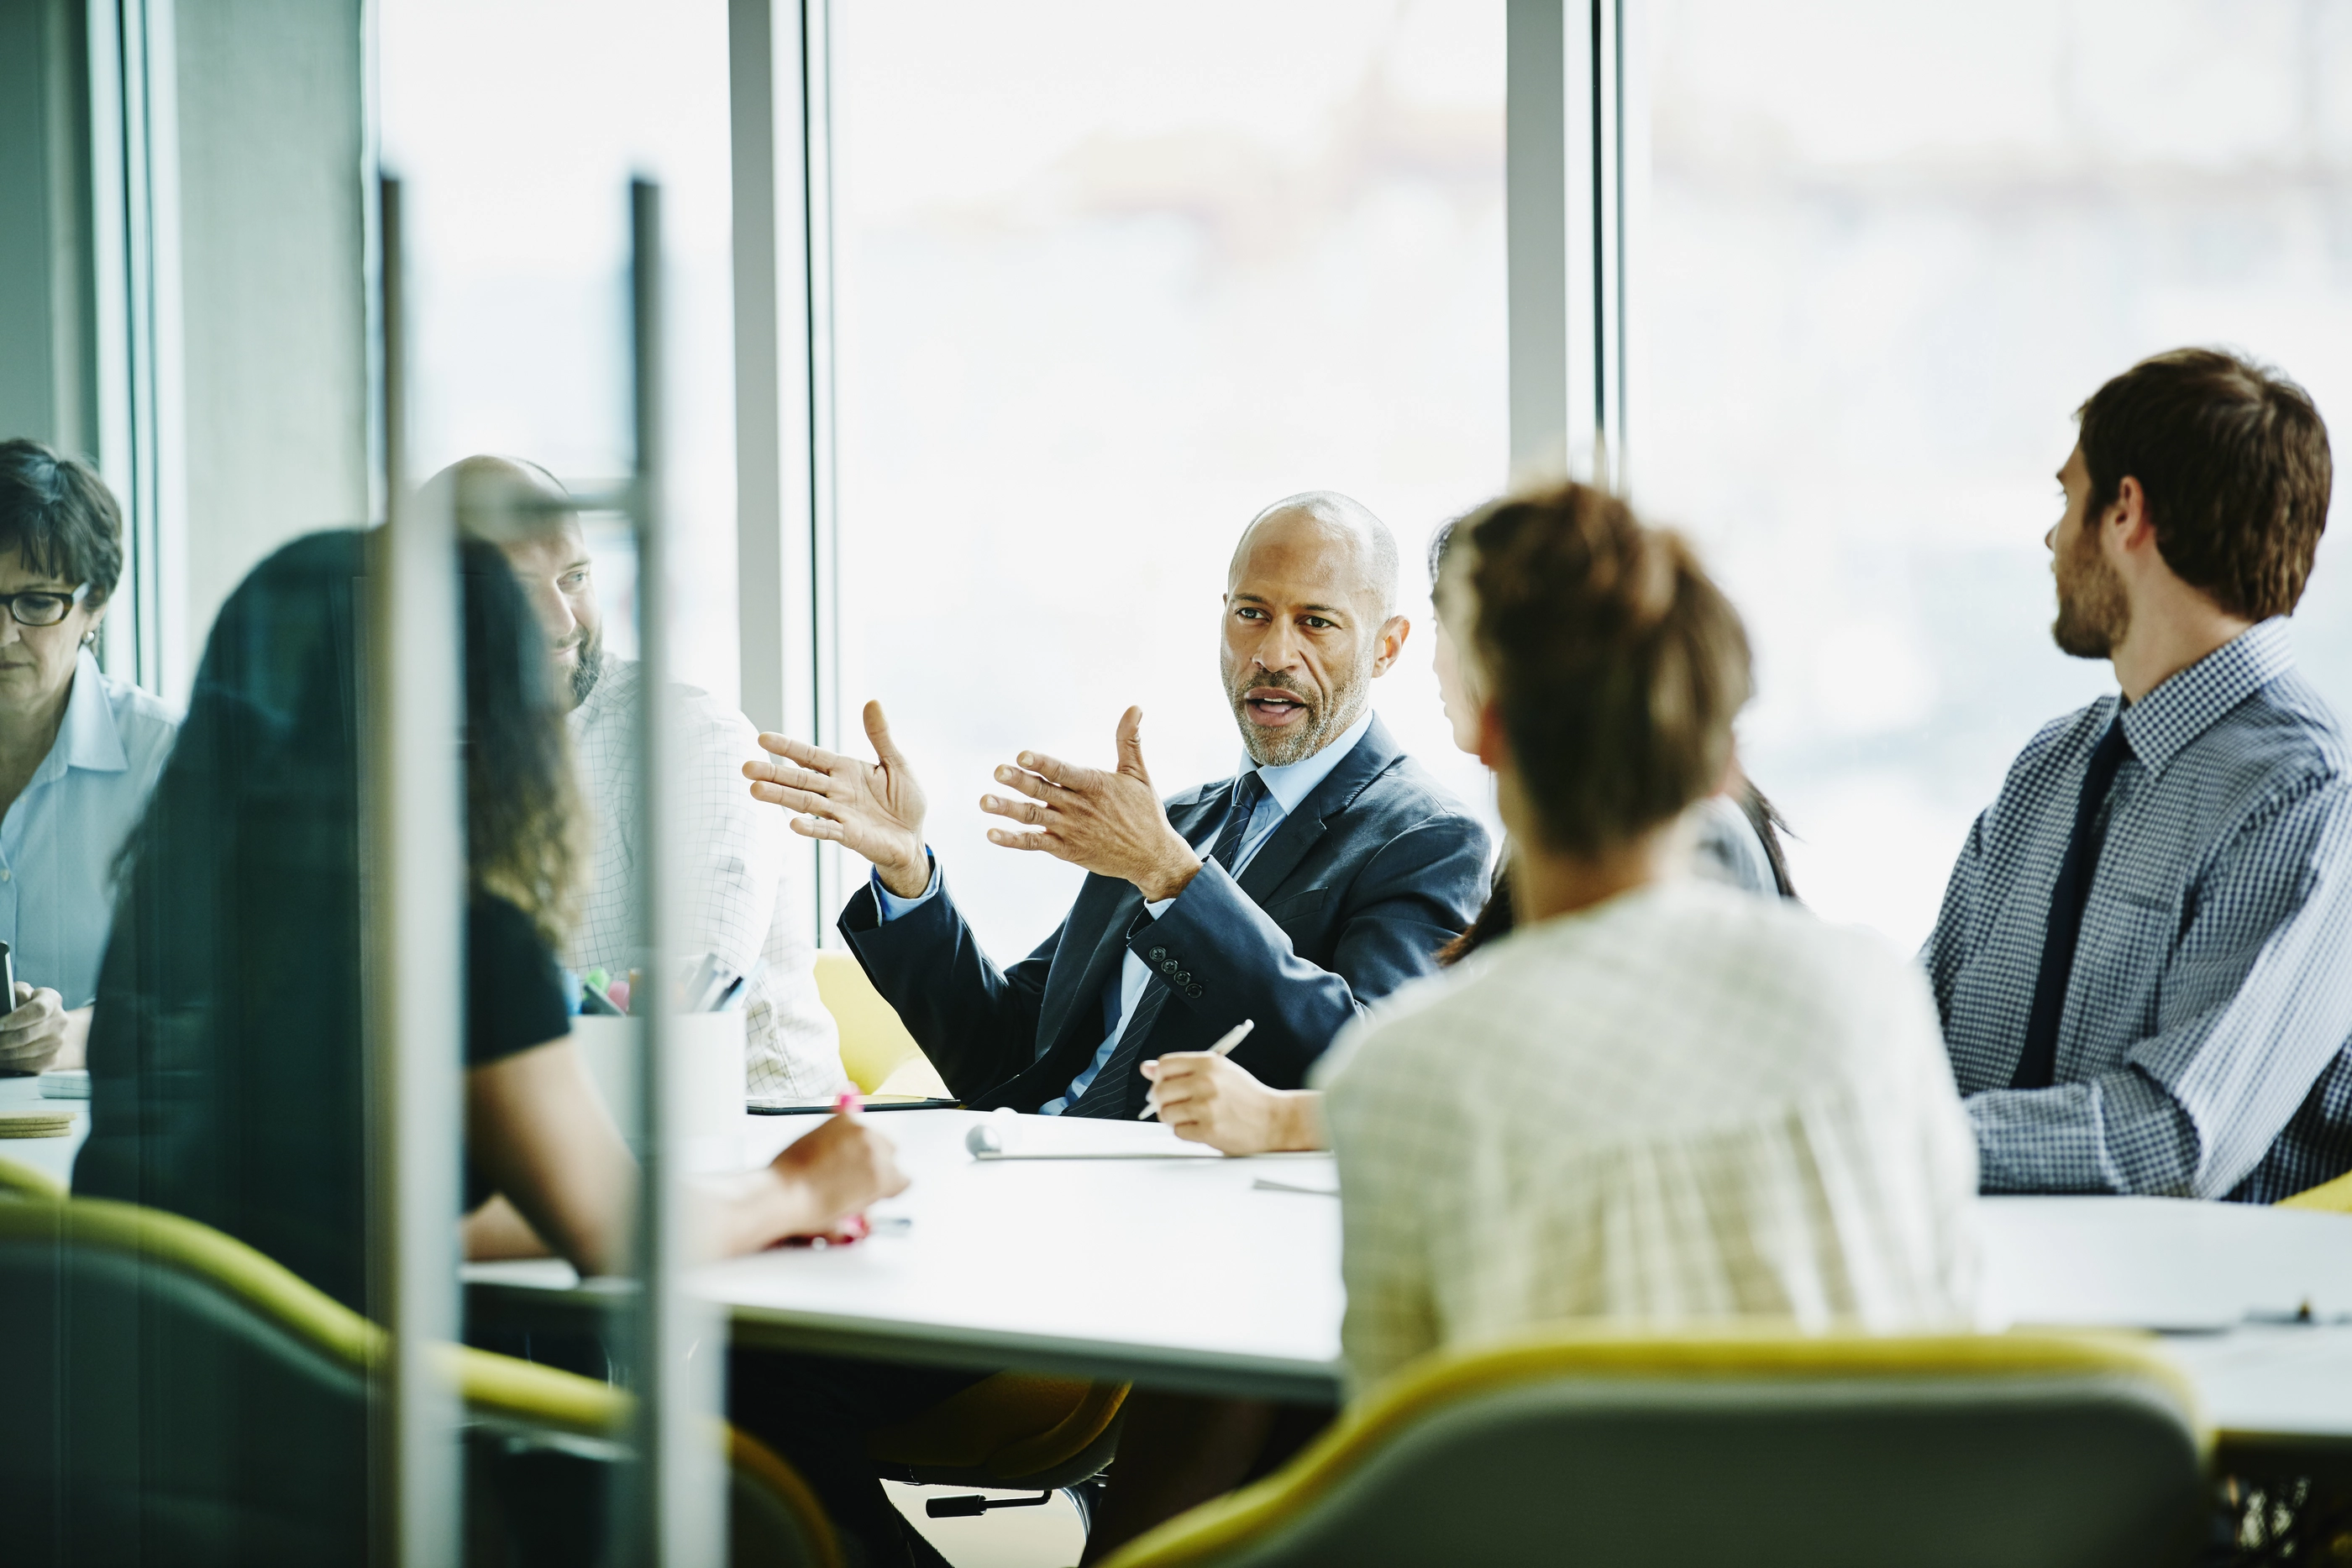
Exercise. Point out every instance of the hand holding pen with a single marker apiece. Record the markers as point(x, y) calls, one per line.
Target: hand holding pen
point(841, 1165)
point(1224, 1048)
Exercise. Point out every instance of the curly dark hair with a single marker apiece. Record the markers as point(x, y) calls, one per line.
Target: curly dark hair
point(523, 806)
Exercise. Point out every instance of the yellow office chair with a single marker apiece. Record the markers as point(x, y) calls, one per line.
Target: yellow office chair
point(876, 1052)
point(1014, 1431)
point(2333, 1196)
point(1758, 1447)
point(202, 1405)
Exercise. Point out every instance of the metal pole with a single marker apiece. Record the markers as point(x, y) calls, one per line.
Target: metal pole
point(1564, 180)
point(1536, 222)
point(768, 440)
point(681, 1520)
point(1608, 57)
point(415, 898)
point(827, 725)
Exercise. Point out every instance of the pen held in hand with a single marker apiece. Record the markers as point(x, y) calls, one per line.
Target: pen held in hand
point(1225, 1047)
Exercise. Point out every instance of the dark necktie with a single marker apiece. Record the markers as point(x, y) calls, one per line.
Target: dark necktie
point(1107, 1094)
point(2039, 1063)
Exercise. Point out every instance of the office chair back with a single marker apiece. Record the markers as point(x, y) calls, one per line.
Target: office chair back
point(2024, 1451)
point(875, 1045)
point(181, 1399)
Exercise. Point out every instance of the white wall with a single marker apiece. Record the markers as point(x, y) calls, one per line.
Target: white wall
point(274, 285)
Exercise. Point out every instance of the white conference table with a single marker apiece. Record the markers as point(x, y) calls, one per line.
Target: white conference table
point(1194, 1274)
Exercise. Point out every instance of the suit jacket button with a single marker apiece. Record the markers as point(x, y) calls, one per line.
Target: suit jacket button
point(1168, 967)
point(1184, 977)
point(1158, 955)
point(1192, 990)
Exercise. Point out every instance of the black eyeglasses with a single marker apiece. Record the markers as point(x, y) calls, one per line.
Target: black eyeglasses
point(41, 607)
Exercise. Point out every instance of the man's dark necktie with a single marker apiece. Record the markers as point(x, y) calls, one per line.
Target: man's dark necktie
point(1107, 1094)
point(2039, 1063)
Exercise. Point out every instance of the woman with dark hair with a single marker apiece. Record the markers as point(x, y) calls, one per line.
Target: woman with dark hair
point(79, 749)
point(1660, 1100)
point(1739, 829)
point(228, 1082)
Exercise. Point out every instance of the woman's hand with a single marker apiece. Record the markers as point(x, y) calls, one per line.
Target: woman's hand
point(1208, 1100)
point(35, 1032)
point(834, 1172)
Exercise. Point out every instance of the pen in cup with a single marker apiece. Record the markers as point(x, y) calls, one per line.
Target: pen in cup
point(1225, 1047)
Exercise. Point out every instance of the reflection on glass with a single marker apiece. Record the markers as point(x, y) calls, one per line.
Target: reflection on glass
point(1891, 247)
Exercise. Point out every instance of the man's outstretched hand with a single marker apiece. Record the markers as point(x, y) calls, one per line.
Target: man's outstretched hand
point(1111, 823)
point(872, 809)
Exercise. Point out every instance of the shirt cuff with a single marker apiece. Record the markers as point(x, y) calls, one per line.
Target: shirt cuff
point(893, 905)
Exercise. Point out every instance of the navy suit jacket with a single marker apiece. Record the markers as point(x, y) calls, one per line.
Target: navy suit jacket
point(1349, 899)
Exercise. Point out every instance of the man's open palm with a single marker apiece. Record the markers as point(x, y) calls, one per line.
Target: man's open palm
point(1111, 823)
point(872, 809)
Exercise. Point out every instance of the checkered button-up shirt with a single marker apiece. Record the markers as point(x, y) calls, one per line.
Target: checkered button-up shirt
point(2202, 1052)
point(1686, 1102)
point(741, 903)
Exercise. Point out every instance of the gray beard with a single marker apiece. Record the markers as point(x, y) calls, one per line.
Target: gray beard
point(589, 670)
point(1321, 727)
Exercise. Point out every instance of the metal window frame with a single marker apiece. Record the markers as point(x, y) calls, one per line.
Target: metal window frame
point(139, 382)
point(787, 539)
point(1571, 97)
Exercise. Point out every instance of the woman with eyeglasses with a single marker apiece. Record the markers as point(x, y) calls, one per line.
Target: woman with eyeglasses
point(79, 749)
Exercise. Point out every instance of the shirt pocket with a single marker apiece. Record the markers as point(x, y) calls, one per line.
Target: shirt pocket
point(1297, 908)
point(2126, 946)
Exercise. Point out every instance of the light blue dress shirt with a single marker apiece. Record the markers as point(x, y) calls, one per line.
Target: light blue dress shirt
point(58, 841)
point(1286, 786)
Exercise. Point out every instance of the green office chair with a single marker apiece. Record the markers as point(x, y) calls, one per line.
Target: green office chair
point(1749, 1448)
point(179, 1398)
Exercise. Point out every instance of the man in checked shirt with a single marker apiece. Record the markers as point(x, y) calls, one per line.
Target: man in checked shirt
point(744, 903)
point(2144, 961)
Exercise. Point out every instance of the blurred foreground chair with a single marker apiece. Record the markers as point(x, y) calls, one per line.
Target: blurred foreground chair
point(1761, 1449)
point(1013, 1432)
point(179, 1398)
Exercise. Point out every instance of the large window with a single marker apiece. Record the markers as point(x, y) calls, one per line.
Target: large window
point(516, 127)
point(1890, 250)
point(1112, 278)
